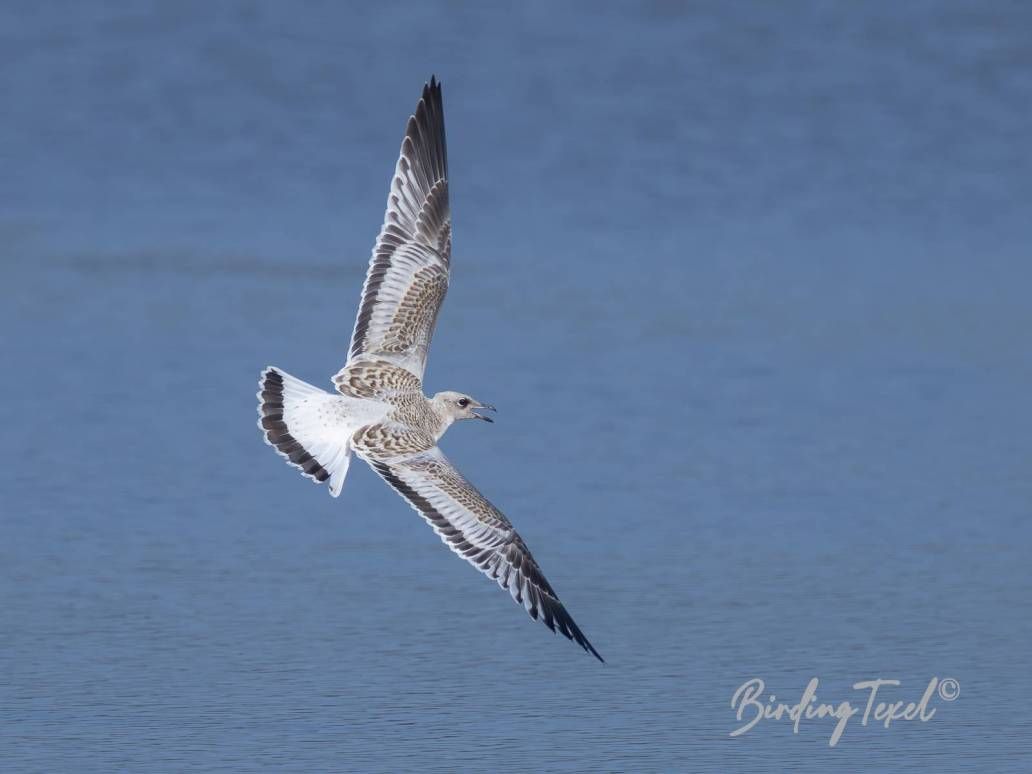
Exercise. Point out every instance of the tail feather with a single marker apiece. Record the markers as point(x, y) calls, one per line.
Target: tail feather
point(299, 421)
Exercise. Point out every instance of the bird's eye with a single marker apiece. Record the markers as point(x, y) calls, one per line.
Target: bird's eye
point(463, 402)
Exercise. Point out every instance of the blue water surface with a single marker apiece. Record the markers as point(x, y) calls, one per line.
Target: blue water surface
point(749, 282)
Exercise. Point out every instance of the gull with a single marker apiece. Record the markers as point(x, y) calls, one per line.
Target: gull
point(378, 411)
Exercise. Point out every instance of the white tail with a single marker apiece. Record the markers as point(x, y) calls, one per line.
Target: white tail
point(305, 425)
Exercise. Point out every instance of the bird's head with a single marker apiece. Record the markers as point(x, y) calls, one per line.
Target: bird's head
point(455, 406)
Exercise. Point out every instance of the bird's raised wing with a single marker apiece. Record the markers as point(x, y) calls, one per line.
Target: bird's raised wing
point(477, 531)
point(408, 273)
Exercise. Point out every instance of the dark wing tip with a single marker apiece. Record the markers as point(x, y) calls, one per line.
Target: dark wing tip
point(554, 613)
point(572, 632)
point(591, 649)
point(432, 94)
point(429, 116)
point(583, 642)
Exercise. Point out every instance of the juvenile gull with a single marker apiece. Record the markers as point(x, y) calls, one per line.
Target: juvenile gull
point(379, 411)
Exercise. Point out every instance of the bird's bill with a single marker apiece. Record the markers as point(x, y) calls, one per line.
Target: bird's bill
point(484, 407)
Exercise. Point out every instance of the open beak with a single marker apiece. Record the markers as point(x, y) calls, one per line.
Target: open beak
point(487, 407)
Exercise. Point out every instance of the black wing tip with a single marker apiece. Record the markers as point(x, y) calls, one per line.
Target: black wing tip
point(566, 626)
point(591, 649)
point(425, 131)
point(576, 635)
point(432, 94)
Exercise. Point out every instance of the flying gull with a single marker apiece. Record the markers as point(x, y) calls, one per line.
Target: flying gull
point(378, 410)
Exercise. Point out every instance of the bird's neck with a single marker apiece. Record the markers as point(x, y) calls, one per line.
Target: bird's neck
point(443, 418)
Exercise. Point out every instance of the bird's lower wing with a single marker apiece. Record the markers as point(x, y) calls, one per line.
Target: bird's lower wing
point(478, 532)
